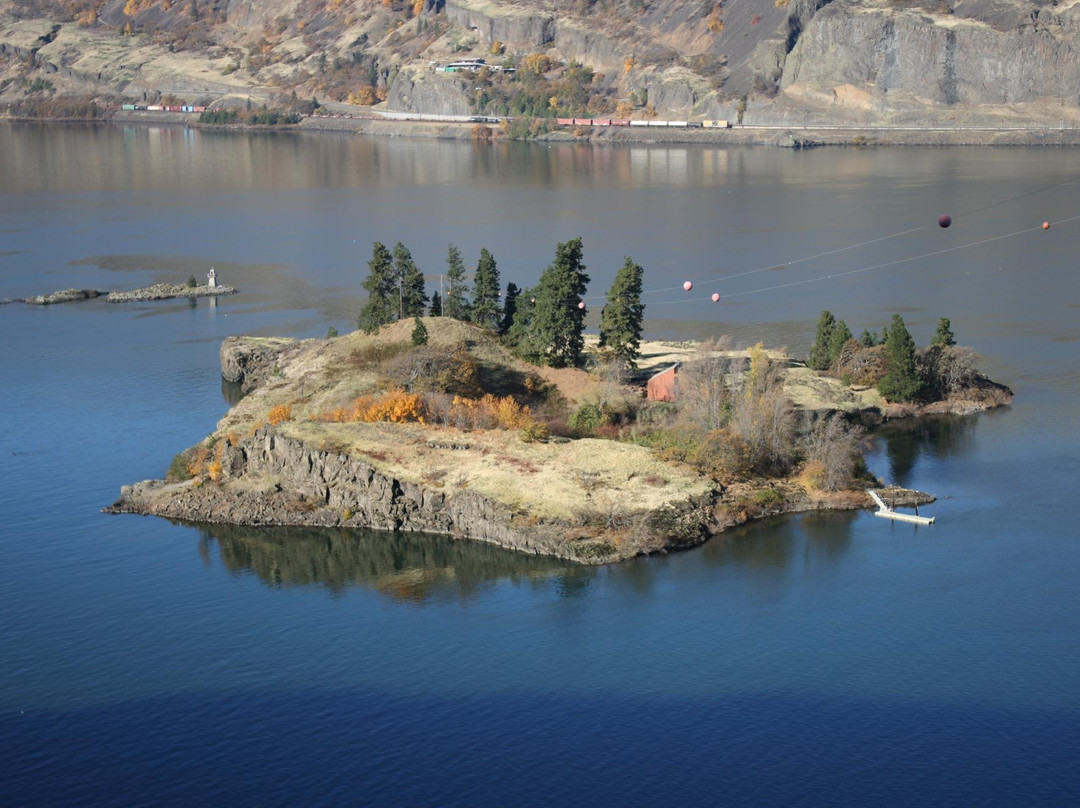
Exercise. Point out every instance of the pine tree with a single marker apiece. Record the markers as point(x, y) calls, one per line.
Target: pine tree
point(555, 332)
point(381, 286)
point(518, 331)
point(819, 358)
point(840, 335)
point(419, 332)
point(944, 336)
point(456, 304)
point(436, 305)
point(868, 338)
point(901, 381)
point(411, 296)
point(509, 308)
point(622, 316)
point(485, 305)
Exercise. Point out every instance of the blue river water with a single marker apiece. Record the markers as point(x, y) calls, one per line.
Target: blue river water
point(819, 659)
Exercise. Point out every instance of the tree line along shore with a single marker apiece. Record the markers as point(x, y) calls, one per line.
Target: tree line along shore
point(485, 412)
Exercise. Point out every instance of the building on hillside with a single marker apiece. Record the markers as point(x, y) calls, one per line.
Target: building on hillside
point(664, 386)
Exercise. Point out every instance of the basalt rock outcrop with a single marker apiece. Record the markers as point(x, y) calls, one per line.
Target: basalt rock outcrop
point(249, 361)
point(270, 479)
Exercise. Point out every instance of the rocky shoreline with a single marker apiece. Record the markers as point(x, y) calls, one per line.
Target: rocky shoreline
point(159, 291)
point(270, 479)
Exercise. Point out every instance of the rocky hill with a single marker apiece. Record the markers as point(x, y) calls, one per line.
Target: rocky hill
point(871, 62)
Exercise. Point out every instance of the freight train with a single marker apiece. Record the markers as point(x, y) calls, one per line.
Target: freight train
point(432, 118)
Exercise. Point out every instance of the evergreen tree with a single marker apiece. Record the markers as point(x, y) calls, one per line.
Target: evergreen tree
point(901, 381)
point(555, 332)
point(944, 336)
point(509, 308)
point(419, 332)
point(436, 305)
point(381, 286)
point(456, 304)
point(411, 296)
point(485, 305)
point(518, 331)
point(819, 358)
point(840, 335)
point(622, 316)
point(868, 338)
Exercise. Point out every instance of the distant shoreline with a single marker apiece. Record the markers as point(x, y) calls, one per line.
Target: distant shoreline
point(775, 135)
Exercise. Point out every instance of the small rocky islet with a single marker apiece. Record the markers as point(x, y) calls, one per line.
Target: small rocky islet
point(282, 456)
point(158, 291)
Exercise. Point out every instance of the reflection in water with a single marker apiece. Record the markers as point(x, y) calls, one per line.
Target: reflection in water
point(409, 567)
point(773, 544)
point(939, 436)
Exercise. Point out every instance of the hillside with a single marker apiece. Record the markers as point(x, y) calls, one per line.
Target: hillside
point(791, 62)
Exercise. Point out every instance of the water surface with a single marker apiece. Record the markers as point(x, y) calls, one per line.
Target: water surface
point(825, 659)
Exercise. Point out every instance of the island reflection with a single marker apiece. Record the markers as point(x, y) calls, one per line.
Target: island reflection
point(407, 567)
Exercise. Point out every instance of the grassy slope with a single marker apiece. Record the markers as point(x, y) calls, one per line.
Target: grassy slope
point(548, 480)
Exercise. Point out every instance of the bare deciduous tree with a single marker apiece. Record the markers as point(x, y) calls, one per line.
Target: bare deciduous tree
point(833, 444)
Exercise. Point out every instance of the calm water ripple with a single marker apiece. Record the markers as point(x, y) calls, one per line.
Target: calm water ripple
point(822, 659)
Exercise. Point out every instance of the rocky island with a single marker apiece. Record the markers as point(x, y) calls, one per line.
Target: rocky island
point(459, 436)
point(158, 291)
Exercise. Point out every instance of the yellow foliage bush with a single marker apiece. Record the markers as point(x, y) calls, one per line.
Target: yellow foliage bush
point(197, 463)
point(537, 63)
point(279, 414)
point(213, 468)
point(813, 476)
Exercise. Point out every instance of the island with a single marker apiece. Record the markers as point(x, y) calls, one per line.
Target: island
point(434, 425)
point(158, 291)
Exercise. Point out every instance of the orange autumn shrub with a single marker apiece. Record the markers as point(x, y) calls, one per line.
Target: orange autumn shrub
point(279, 414)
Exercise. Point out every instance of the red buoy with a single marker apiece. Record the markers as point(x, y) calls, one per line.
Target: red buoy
point(715, 297)
point(1046, 225)
point(688, 286)
point(944, 220)
point(581, 305)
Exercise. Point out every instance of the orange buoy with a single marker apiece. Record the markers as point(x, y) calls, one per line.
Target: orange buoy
point(1046, 225)
point(944, 220)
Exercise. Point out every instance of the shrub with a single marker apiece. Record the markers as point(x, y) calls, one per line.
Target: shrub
point(535, 431)
point(331, 332)
point(279, 414)
point(585, 420)
point(179, 468)
point(191, 283)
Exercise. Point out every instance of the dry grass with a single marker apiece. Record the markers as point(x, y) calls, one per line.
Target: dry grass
point(553, 480)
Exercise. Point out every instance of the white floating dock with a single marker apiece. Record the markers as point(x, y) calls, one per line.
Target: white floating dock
point(886, 512)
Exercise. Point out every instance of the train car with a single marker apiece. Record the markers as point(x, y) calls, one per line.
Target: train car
point(582, 121)
point(716, 124)
point(601, 122)
point(128, 107)
point(656, 123)
point(639, 123)
point(678, 124)
point(154, 108)
point(619, 123)
point(564, 121)
point(198, 108)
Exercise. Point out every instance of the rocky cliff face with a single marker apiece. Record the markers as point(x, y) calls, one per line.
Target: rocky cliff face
point(269, 479)
point(873, 62)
